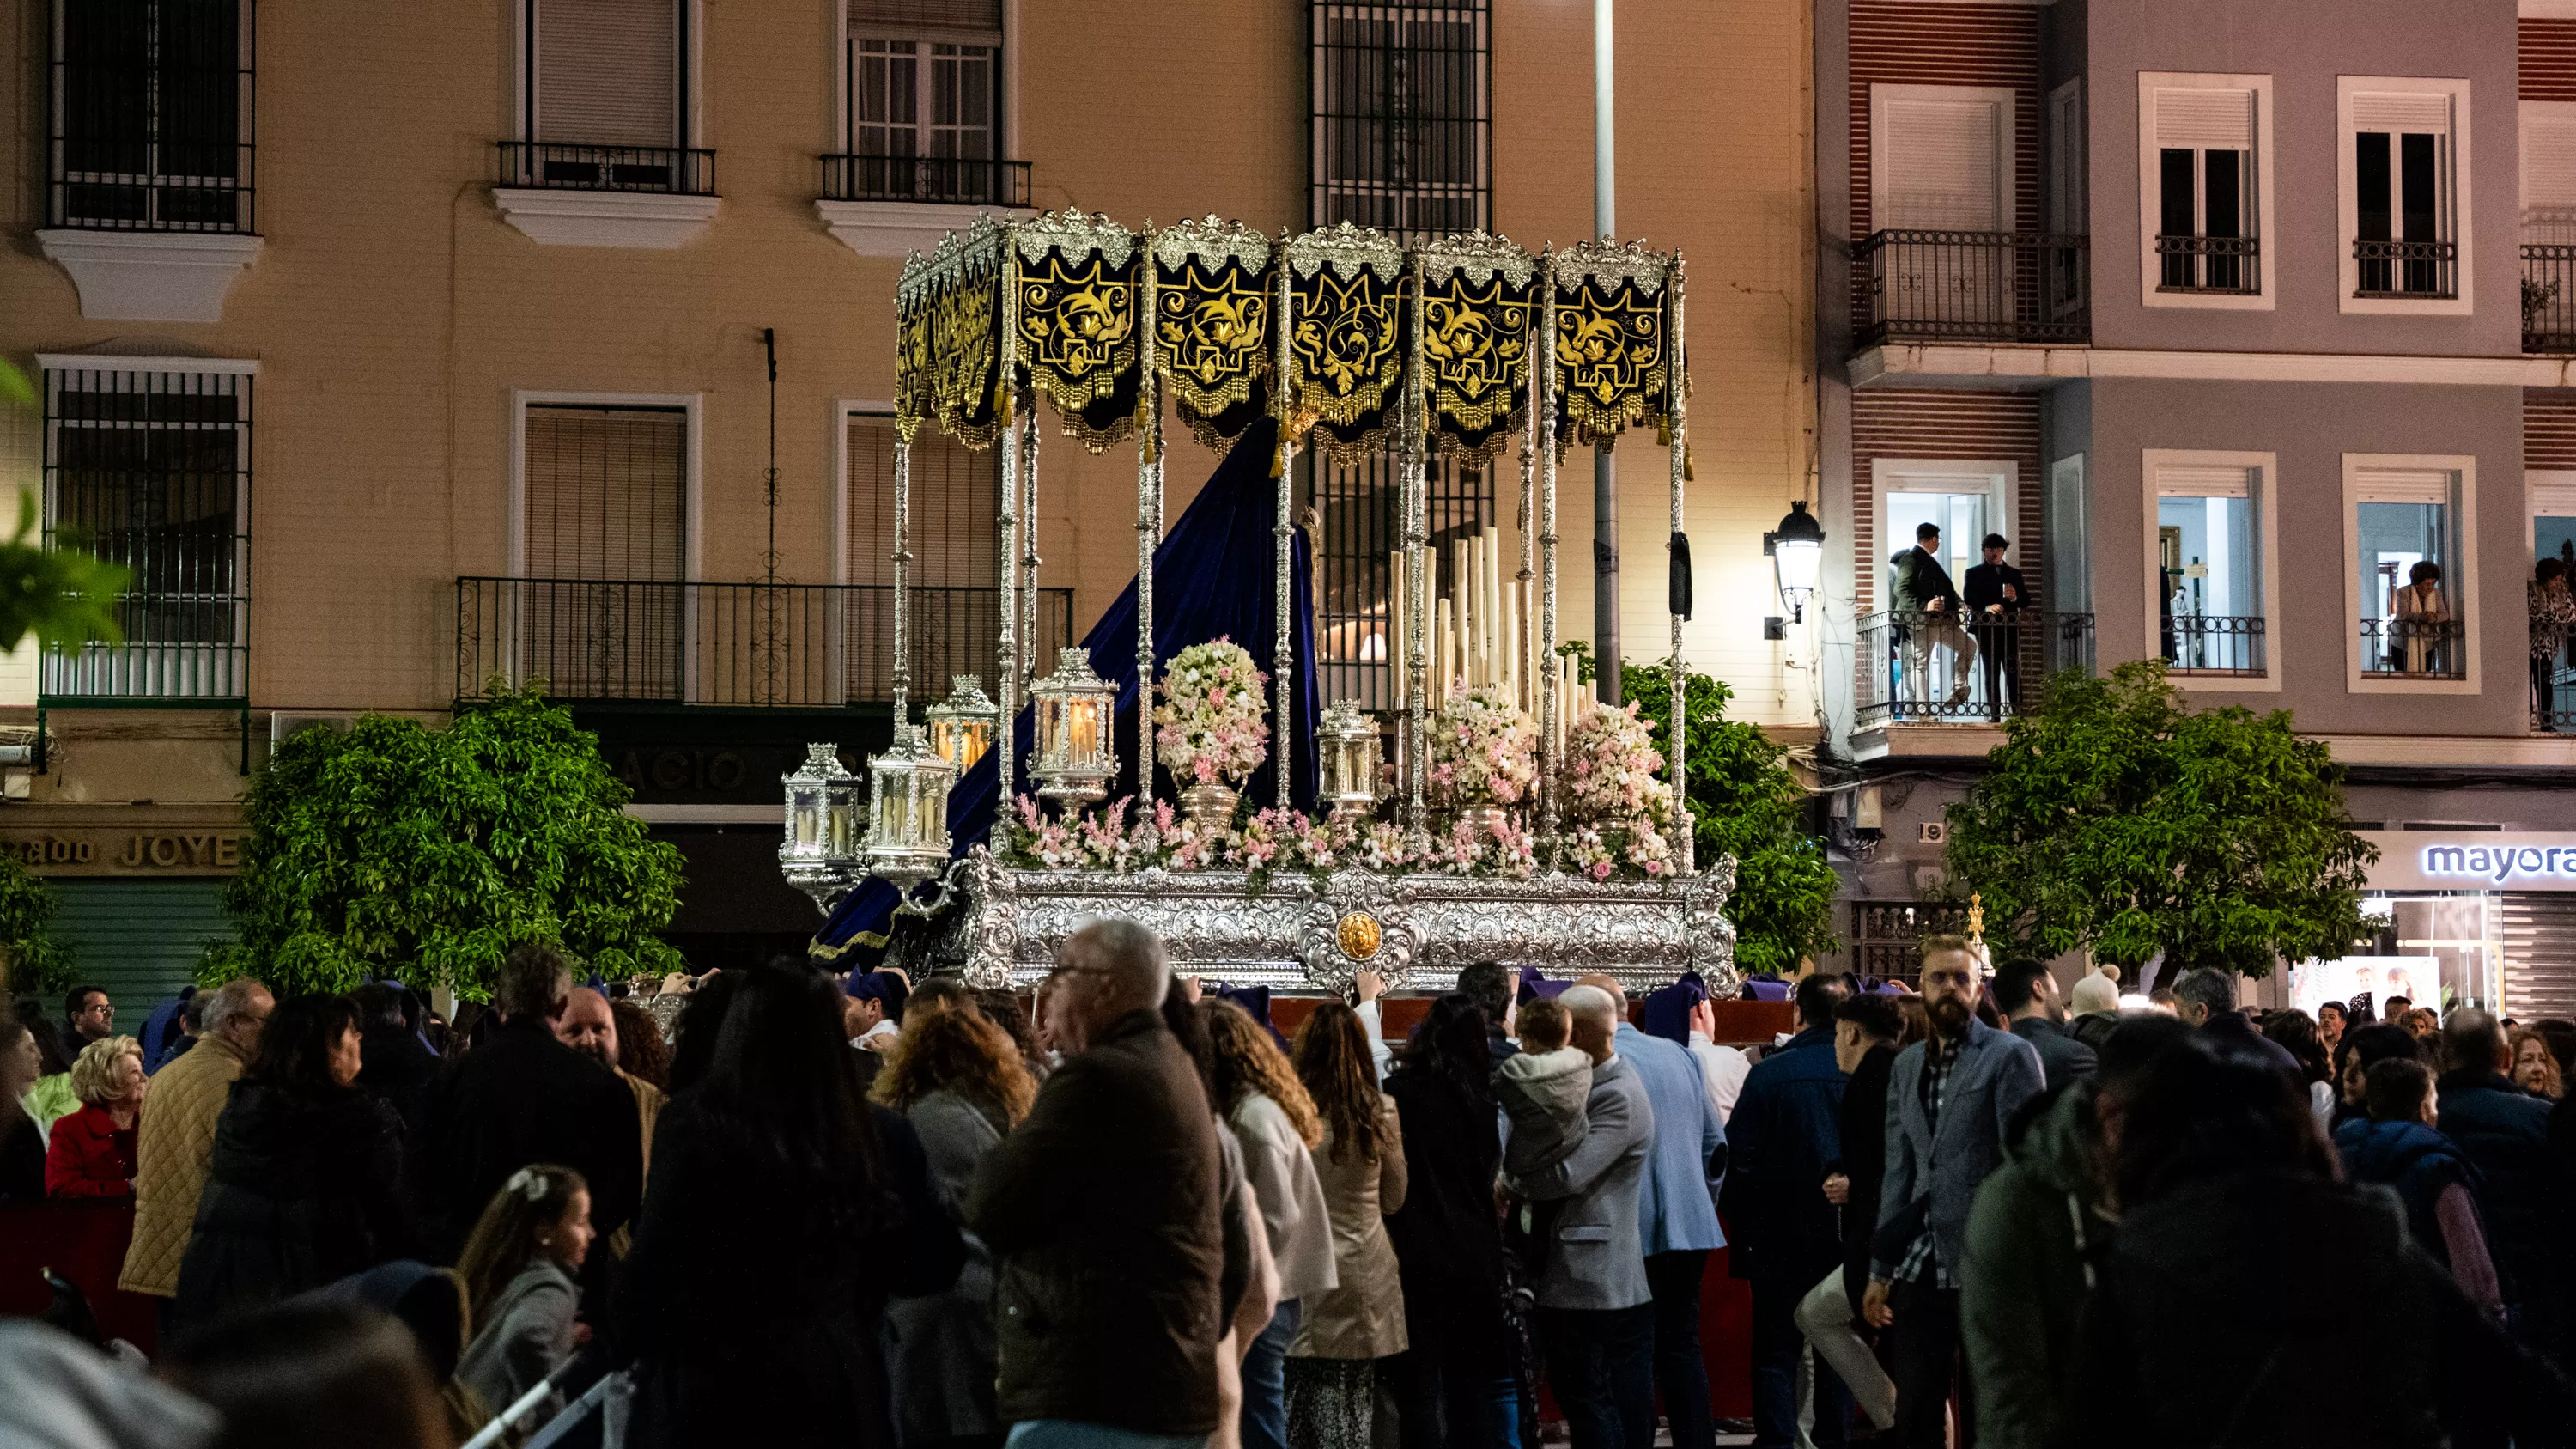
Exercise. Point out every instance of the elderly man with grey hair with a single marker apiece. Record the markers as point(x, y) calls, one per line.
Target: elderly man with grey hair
point(2205, 997)
point(1101, 1211)
point(1595, 1302)
point(175, 1141)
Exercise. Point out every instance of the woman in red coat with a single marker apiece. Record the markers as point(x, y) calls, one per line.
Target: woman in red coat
point(92, 1151)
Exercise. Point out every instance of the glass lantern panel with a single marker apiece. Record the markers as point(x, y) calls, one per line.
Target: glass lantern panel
point(809, 816)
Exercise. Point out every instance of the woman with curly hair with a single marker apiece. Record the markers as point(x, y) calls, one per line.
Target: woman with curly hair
point(1001, 1007)
point(2535, 1067)
point(1332, 1367)
point(1258, 1094)
point(959, 1080)
point(91, 1153)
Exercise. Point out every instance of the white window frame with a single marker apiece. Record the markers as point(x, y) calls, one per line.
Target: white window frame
point(2008, 144)
point(2464, 591)
point(2456, 166)
point(1005, 71)
point(2262, 490)
point(2000, 479)
point(2151, 193)
point(692, 76)
point(843, 411)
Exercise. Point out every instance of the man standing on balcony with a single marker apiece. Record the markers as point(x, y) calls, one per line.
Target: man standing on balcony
point(1923, 589)
point(1996, 597)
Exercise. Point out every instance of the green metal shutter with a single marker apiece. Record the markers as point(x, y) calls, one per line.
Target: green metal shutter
point(139, 938)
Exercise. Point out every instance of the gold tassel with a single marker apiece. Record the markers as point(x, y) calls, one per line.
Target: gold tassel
point(1274, 462)
point(1664, 431)
point(1001, 398)
point(1145, 420)
point(1687, 475)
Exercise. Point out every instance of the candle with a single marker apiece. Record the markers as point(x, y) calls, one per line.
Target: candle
point(1398, 612)
point(1440, 661)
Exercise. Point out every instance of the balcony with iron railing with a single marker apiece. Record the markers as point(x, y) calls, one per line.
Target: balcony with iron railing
point(2413, 648)
point(2229, 266)
point(2214, 644)
point(2549, 297)
point(1971, 286)
point(1930, 668)
point(2422, 271)
point(941, 180)
point(563, 166)
point(735, 645)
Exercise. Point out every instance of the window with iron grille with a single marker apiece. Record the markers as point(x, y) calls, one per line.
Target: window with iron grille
point(150, 470)
point(151, 115)
point(605, 525)
point(952, 604)
point(1402, 116)
point(1358, 517)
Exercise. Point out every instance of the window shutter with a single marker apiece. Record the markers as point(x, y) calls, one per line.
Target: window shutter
point(2403, 485)
point(1942, 165)
point(2205, 120)
point(2548, 158)
point(868, 15)
point(2203, 480)
point(2386, 111)
point(606, 493)
point(608, 72)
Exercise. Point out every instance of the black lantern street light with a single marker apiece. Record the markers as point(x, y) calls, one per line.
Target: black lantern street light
point(1797, 550)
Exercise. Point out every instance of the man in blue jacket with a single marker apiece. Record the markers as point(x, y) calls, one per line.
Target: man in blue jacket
point(1785, 1132)
point(1676, 1216)
point(2504, 1132)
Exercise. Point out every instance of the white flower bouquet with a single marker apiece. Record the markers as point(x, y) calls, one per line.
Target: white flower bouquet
point(1208, 729)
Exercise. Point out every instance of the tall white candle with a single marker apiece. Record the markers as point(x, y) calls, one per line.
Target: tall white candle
point(1398, 594)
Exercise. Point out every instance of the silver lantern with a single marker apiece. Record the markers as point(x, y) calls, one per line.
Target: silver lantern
point(907, 840)
point(1346, 749)
point(962, 726)
point(1075, 761)
point(822, 821)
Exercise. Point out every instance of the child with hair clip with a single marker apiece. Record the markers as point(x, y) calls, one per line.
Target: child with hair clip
point(521, 1287)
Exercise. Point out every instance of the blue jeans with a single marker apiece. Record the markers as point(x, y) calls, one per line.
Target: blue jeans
point(1265, 1381)
point(1073, 1434)
point(1601, 1362)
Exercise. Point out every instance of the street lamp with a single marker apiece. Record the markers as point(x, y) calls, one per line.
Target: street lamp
point(1797, 550)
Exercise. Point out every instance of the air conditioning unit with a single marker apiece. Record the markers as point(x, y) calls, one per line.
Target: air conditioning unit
point(1933, 832)
point(284, 722)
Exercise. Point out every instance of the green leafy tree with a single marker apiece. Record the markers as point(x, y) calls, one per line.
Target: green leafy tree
point(399, 849)
point(32, 961)
point(1747, 806)
point(2115, 818)
point(59, 594)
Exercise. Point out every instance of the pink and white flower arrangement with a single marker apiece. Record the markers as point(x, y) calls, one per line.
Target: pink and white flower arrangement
point(1208, 729)
point(1503, 851)
point(1484, 751)
point(1612, 768)
point(1383, 847)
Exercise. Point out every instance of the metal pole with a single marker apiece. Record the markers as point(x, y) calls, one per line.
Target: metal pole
point(1006, 670)
point(1283, 654)
point(1676, 407)
point(1605, 466)
point(1149, 517)
point(1548, 694)
point(1417, 562)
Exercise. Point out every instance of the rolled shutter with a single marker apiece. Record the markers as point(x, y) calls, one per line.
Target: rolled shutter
point(2539, 954)
point(608, 72)
point(1943, 160)
point(606, 493)
point(2205, 120)
point(2203, 480)
point(925, 14)
point(2403, 485)
point(2396, 113)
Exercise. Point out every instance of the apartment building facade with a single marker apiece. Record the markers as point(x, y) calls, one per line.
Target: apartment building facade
point(398, 350)
point(2249, 329)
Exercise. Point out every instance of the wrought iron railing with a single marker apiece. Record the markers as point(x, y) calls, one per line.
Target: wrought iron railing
point(2418, 648)
point(2225, 264)
point(2549, 297)
point(177, 647)
point(950, 180)
point(1934, 669)
point(2409, 269)
point(1972, 286)
point(733, 644)
point(678, 170)
point(2214, 644)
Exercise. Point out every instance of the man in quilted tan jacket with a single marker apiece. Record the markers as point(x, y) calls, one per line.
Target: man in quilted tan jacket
point(177, 1136)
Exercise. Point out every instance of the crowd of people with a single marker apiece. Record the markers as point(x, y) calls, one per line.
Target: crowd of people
point(795, 1207)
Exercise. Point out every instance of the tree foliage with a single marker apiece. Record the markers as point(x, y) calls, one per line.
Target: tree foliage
point(399, 850)
point(32, 961)
point(2115, 818)
point(1749, 807)
point(60, 594)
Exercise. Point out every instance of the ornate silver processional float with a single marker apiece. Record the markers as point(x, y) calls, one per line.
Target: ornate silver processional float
point(1527, 824)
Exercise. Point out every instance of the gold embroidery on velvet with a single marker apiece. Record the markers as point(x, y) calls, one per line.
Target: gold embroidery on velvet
point(1078, 340)
point(1346, 354)
point(1476, 349)
point(1610, 360)
point(1212, 344)
point(965, 348)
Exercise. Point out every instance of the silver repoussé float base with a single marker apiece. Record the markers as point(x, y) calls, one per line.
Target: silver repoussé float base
point(1419, 929)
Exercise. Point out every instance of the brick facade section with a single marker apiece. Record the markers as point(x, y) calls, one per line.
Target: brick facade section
point(2548, 60)
point(1990, 427)
point(1947, 45)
